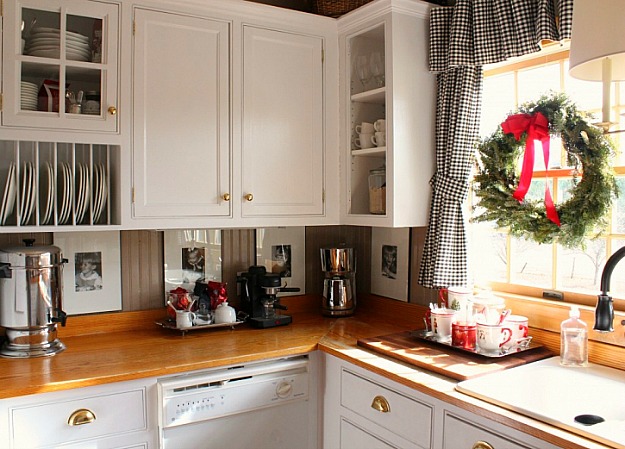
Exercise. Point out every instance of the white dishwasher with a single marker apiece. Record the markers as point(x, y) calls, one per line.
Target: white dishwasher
point(262, 405)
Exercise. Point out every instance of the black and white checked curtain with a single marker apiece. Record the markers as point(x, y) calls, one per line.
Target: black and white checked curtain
point(463, 38)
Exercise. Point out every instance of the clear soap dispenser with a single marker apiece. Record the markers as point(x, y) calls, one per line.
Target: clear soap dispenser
point(573, 340)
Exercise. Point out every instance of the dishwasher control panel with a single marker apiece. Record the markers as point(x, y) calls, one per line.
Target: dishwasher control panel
point(222, 393)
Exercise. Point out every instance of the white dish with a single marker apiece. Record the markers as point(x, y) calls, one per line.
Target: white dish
point(9, 195)
point(104, 190)
point(61, 192)
point(29, 89)
point(33, 193)
point(86, 193)
point(23, 192)
point(56, 32)
point(56, 54)
point(78, 178)
point(45, 190)
point(28, 84)
point(96, 194)
point(70, 192)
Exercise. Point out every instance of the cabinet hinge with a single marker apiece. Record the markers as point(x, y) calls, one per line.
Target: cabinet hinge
point(134, 27)
point(323, 55)
point(323, 196)
point(1, 100)
point(133, 195)
point(1, 8)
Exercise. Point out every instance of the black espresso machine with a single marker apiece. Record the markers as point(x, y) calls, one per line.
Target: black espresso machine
point(259, 299)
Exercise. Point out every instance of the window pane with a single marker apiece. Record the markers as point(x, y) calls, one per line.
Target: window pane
point(618, 212)
point(580, 269)
point(497, 102)
point(531, 263)
point(533, 83)
point(617, 281)
point(488, 254)
point(587, 95)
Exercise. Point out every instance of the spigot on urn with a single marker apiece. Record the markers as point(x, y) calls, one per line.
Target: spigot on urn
point(604, 312)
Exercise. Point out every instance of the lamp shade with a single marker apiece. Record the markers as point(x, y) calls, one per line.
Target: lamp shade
point(598, 32)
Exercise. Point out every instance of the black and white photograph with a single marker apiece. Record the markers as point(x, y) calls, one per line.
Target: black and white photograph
point(389, 261)
point(390, 254)
point(88, 271)
point(281, 260)
point(281, 251)
point(91, 276)
point(190, 255)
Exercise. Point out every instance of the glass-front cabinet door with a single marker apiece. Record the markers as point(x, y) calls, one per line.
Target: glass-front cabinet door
point(60, 65)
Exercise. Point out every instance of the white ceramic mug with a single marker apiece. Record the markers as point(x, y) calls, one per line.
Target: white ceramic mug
point(458, 299)
point(492, 337)
point(441, 323)
point(363, 141)
point(365, 128)
point(184, 318)
point(519, 328)
point(380, 125)
point(379, 139)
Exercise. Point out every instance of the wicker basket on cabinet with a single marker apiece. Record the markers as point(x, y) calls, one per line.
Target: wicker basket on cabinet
point(336, 8)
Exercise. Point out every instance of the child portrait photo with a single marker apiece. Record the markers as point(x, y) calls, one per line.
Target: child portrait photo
point(88, 271)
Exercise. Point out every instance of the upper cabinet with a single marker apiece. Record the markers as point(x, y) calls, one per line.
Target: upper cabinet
point(60, 65)
point(387, 104)
point(181, 126)
point(283, 134)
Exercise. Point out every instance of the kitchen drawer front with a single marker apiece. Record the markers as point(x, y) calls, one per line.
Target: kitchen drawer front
point(406, 417)
point(46, 424)
point(459, 433)
point(354, 437)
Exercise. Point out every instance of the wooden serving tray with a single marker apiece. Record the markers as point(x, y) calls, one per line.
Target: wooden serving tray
point(167, 324)
point(447, 360)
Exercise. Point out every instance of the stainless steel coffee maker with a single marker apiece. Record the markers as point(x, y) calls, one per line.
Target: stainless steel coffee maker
point(339, 285)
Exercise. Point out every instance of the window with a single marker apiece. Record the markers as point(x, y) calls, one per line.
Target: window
point(522, 266)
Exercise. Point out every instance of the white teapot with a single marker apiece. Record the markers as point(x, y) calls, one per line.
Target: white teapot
point(225, 314)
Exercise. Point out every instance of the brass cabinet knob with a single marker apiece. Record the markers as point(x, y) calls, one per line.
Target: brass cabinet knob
point(80, 417)
point(381, 404)
point(482, 445)
point(249, 197)
point(226, 196)
point(112, 110)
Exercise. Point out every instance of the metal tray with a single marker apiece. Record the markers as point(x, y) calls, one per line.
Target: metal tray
point(526, 346)
point(167, 324)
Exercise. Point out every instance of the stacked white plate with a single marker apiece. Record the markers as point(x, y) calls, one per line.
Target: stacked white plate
point(99, 191)
point(46, 42)
point(46, 193)
point(83, 186)
point(27, 192)
point(29, 92)
point(8, 197)
point(64, 192)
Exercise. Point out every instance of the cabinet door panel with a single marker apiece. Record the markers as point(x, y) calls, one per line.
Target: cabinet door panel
point(181, 116)
point(282, 154)
point(353, 437)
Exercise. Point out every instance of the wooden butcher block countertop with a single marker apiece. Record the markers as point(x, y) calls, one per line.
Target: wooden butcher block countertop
point(125, 346)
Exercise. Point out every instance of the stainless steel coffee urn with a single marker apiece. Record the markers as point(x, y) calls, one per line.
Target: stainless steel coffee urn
point(31, 290)
point(339, 285)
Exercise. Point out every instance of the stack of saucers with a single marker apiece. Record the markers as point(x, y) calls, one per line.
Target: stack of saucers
point(29, 96)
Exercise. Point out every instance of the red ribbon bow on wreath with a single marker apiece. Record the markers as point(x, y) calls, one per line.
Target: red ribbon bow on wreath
point(537, 128)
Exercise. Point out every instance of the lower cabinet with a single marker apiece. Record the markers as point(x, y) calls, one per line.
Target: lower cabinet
point(363, 410)
point(113, 416)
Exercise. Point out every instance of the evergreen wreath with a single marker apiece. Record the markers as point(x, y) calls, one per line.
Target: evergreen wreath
point(589, 154)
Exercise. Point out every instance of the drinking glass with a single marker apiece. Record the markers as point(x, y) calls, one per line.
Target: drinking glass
point(362, 69)
point(376, 64)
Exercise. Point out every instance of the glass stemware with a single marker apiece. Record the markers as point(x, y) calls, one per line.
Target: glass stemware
point(377, 68)
point(362, 69)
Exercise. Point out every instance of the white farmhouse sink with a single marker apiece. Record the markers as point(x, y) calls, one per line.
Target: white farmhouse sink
point(549, 392)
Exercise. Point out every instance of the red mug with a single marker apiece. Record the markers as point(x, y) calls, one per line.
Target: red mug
point(463, 335)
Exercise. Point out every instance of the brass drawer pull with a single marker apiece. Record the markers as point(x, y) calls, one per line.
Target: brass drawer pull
point(112, 110)
point(249, 197)
point(482, 445)
point(381, 404)
point(80, 417)
point(226, 197)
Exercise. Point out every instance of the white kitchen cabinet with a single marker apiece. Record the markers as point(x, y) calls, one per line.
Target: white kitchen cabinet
point(464, 430)
point(113, 416)
point(52, 48)
point(181, 131)
point(282, 124)
point(362, 409)
point(232, 117)
point(402, 92)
